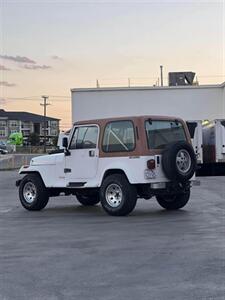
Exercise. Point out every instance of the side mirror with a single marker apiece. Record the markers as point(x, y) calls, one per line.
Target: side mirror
point(65, 146)
point(65, 142)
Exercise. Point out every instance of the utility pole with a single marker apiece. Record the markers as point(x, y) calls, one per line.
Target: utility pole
point(45, 104)
point(161, 74)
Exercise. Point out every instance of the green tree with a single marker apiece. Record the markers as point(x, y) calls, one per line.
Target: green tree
point(34, 139)
point(55, 140)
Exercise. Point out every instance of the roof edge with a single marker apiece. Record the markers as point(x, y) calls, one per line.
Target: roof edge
point(91, 89)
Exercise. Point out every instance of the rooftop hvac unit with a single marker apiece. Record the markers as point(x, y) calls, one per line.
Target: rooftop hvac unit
point(181, 78)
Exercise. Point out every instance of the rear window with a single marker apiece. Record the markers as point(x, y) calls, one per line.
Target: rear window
point(119, 137)
point(160, 133)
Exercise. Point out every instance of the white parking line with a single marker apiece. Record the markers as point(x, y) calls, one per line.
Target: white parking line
point(6, 210)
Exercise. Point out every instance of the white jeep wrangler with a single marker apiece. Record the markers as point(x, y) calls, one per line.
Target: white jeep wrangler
point(115, 161)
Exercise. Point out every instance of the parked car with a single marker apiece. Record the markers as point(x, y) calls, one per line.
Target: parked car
point(3, 151)
point(6, 146)
point(3, 145)
point(115, 161)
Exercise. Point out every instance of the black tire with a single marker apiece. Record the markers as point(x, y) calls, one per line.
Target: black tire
point(175, 201)
point(169, 162)
point(40, 199)
point(88, 200)
point(128, 195)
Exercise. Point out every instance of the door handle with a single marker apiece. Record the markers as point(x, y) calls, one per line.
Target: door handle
point(91, 153)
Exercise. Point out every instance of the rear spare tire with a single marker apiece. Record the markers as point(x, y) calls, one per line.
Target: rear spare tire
point(179, 161)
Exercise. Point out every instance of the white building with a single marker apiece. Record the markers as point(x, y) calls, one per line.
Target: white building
point(203, 102)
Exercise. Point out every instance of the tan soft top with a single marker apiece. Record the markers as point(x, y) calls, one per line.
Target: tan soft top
point(141, 118)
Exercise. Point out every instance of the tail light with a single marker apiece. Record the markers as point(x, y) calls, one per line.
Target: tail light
point(151, 164)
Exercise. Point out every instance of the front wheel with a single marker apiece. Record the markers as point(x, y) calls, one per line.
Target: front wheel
point(33, 193)
point(173, 201)
point(118, 196)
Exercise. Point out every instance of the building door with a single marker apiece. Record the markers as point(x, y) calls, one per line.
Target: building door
point(37, 128)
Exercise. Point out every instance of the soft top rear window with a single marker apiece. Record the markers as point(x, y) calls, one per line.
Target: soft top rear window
point(162, 132)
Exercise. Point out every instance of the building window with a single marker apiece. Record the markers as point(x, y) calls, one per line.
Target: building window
point(26, 132)
point(54, 132)
point(13, 123)
point(2, 123)
point(54, 124)
point(13, 131)
point(2, 133)
point(26, 125)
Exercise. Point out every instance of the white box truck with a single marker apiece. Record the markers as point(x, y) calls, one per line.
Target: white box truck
point(187, 102)
point(196, 133)
point(214, 142)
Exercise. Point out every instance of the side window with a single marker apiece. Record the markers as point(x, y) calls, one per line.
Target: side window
point(119, 137)
point(84, 137)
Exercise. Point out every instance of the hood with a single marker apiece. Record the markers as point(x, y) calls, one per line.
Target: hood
point(44, 160)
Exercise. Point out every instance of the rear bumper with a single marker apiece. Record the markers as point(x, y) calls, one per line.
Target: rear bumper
point(164, 185)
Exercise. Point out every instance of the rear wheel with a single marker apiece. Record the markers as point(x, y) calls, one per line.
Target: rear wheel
point(118, 196)
point(88, 200)
point(33, 193)
point(173, 201)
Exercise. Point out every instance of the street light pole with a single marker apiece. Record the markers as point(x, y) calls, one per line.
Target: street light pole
point(45, 104)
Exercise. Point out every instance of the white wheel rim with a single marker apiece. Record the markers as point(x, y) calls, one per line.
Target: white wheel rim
point(183, 161)
point(114, 195)
point(29, 192)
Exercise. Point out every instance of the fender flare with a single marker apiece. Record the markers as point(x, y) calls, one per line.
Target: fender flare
point(27, 173)
point(113, 171)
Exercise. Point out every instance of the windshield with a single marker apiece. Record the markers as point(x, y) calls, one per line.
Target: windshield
point(160, 133)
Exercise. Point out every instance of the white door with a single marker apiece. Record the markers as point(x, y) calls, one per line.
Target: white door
point(82, 162)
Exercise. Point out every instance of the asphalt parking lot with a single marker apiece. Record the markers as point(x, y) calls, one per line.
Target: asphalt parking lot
point(72, 252)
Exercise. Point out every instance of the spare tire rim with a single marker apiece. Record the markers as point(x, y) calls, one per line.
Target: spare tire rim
point(183, 161)
point(29, 192)
point(113, 195)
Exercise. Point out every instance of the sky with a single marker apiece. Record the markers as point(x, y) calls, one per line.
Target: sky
point(49, 47)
